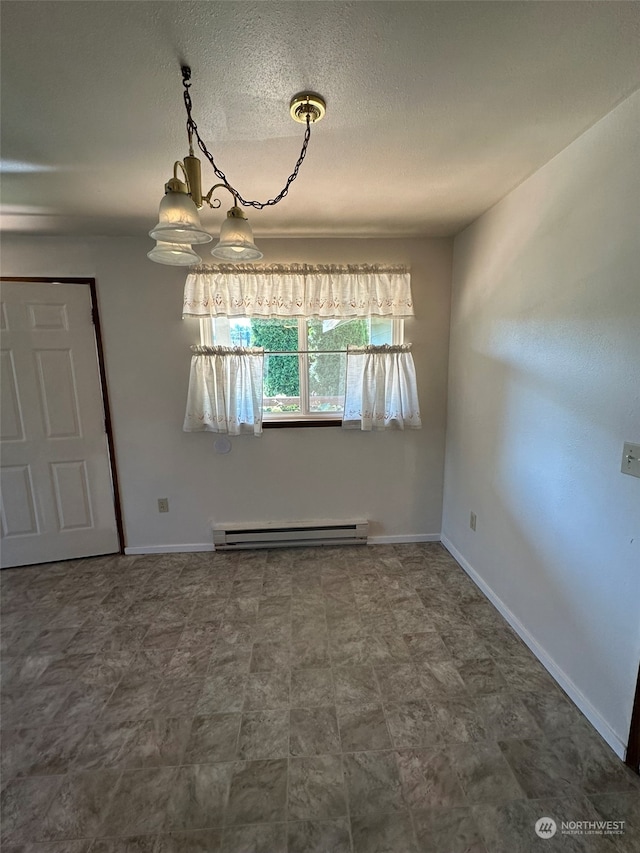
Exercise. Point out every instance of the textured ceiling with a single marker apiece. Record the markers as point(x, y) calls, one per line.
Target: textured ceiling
point(435, 110)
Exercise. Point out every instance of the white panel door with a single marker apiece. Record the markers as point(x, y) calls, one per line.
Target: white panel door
point(55, 474)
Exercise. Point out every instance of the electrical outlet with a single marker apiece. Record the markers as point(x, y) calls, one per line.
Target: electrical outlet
point(472, 521)
point(163, 504)
point(631, 459)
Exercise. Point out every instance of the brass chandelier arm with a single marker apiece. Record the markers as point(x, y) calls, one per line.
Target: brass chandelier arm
point(180, 164)
point(216, 201)
point(192, 131)
point(175, 184)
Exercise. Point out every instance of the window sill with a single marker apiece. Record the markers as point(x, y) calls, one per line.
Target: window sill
point(291, 424)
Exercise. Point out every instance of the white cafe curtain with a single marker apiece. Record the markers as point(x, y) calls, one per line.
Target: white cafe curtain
point(225, 390)
point(297, 291)
point(381, 389)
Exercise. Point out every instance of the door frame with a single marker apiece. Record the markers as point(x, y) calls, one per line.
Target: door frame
point(632, 757)
point(95, 314)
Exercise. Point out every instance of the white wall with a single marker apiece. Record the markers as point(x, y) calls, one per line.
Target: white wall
point(394, 479)
point(544, 387)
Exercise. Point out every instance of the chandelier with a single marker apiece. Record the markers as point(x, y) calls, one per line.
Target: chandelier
point(179, 229)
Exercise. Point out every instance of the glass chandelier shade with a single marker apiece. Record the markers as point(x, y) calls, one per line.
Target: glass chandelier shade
point(174, 254)
point(236, 239)
point(179, 221)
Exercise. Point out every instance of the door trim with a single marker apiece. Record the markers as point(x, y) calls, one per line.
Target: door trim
point(632, 757)
point(91, 284)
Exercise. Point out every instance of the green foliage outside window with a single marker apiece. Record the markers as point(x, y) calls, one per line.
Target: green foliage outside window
point(326, 373)
point(281, 375)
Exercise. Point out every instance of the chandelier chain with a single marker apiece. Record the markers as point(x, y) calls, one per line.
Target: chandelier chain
point(192, 129)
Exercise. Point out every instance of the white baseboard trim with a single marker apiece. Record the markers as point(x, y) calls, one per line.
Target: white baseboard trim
point(597, 721)
point(400, 540)
point(169, 549)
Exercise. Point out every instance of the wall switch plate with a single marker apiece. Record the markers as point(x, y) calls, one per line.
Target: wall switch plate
point(631, 459)
point(472, 521)
point(163, 504)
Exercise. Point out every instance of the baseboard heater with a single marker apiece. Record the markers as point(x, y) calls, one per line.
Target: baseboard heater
point(289, 534)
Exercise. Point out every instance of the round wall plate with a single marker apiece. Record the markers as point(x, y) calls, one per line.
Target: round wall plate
point(222, 445)
point(307, 103)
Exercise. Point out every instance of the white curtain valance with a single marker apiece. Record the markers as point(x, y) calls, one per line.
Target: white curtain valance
point(297, 291)
point(381, 389)
point(225, 390)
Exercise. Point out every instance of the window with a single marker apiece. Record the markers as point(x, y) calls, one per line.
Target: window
point(301, 345)
point(305, 358)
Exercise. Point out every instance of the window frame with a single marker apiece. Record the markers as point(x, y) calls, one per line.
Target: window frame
point(303, 417)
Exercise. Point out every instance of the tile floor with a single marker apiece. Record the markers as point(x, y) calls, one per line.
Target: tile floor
point(343, 700)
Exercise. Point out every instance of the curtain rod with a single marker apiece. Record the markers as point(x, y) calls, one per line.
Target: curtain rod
point(299, 269)
point(203, 349)
point(355, 350)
